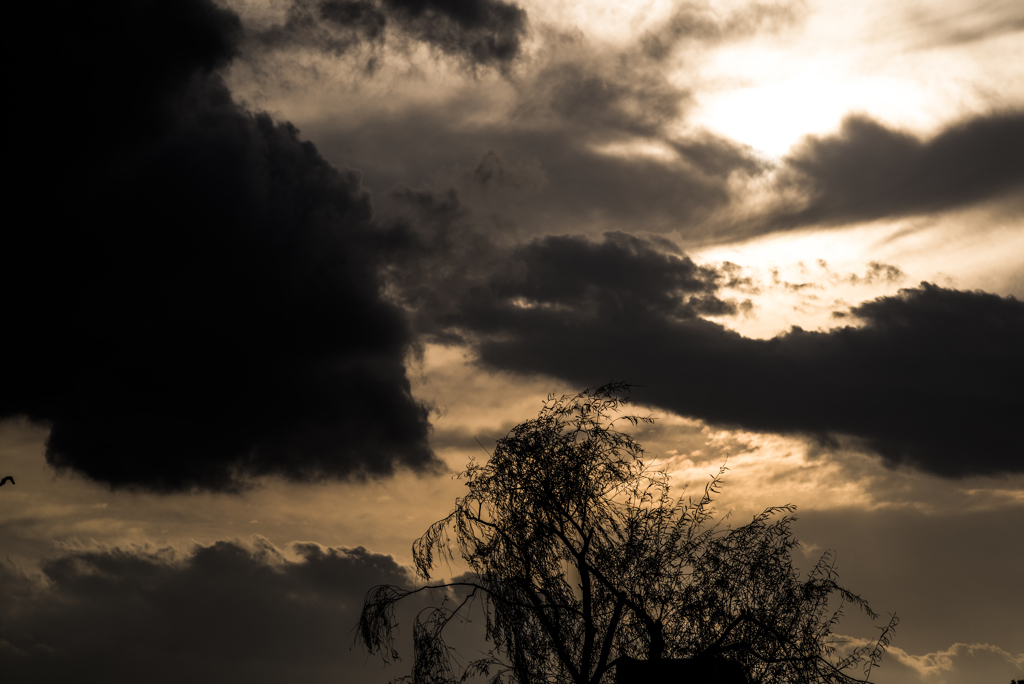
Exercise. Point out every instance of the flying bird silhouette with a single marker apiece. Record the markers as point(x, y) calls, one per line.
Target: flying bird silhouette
point(4, 481)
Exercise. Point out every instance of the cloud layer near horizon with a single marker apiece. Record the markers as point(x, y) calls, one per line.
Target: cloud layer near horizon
point(224, 612)
point(232, 610)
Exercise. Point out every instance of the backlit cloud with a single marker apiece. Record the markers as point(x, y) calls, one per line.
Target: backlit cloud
point(927, 378)
point(868, 171)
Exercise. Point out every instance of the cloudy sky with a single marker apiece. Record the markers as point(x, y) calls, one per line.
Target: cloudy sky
point(280, 265)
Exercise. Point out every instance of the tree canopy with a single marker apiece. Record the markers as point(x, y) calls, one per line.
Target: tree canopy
point(581, 557)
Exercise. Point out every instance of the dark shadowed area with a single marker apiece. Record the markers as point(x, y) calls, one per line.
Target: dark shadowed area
point(199, 300)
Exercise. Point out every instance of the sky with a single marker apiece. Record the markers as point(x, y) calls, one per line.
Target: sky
point(284, 266)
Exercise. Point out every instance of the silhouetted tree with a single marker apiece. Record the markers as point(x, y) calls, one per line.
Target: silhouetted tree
point(581, 557)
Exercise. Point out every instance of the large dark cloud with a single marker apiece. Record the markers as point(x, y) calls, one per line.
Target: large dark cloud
point(225, 612)
point(868, 171)
point(481, 31)
point(929, 378)
point(192, 292)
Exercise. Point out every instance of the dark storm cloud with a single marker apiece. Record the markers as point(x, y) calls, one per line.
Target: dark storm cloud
point(481, 31)
point(456, 280)
point(226, 612)
point(868, 171)
point(929, 379)
point(194, 296)
point(622, 271)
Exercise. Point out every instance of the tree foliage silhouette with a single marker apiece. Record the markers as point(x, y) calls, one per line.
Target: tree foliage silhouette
point(581, 557)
